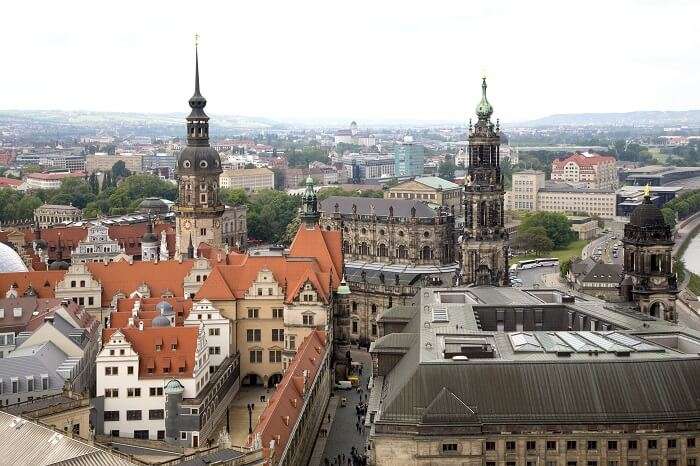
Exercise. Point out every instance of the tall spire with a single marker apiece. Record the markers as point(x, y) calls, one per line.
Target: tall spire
point(196, 65)
point(484, 110)
point(197, 101)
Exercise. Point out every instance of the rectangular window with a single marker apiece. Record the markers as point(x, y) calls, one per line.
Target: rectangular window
point(490, 446)
point(653, 463)
point(255, 356)
point(692, 462)
point(354, 326)
point(133, 415)
point(155, 391)
point(292, 342)
point(156, 414)
point(690, 442)
point(612, 445)
point(133, 392)
point(275, 356)
point(531, 444)
point(592, 445)
point(449, 447)
point(277, 334)
point(591, 463)
point(651, 444)
point(111, 393)
point(374, 329)
point(551, 445)
point(130, 370)
point(141, 434)
point(44, 383)
point(30, 384)
point(277, 313)
point(214, 332)
point(111, 415)
point(510, 445)
point(631, 444)
point(308, 320)
point(254, 334)
point(253, 313)
point(571, 444)
point(91, 301)
point(161, 435)
point(672, 443)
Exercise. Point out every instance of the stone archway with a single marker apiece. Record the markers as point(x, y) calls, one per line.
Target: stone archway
point(274, 380)
point(252, 379)
point(483, 275)
point(657, 309)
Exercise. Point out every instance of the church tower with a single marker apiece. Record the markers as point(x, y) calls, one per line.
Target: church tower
point(198, 210)
point(309, 205)
point(648, 245)
point(484, 240)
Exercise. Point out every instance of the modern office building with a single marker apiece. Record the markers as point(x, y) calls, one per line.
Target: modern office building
point(409, 158)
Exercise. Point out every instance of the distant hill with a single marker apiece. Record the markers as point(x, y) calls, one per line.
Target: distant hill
point(649, 118)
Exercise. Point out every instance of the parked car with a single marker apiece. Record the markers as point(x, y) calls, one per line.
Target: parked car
point(343, 385)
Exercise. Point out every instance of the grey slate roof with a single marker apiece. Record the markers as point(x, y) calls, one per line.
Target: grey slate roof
point(540, 393)
point(22, 363)
point(604, 273)
point(30, 444)
point(402, 207)
point(398, 313)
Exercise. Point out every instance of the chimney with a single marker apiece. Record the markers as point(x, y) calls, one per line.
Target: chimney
point(141, 325)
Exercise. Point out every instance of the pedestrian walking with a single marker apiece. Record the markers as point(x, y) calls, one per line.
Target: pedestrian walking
point(343, 459)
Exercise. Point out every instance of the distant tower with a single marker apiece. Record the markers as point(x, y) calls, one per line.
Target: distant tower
point(198, 210)
point(309, 205)
point(353, 128)
point(648, 245)
point(149, 244)
point(485, 240)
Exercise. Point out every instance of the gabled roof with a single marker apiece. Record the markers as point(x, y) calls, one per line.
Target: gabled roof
point(378, 206)
point(120, 317)
point(279, 418)
point(323, 245)
point(588, 160)
point(604, 273)
point(44, 282)
point(125, 277)
point(164, 362)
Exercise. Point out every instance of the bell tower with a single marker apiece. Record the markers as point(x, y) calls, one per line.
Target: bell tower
point(484, 239)
point(309, 205)
point(198, 210)
point(648, 248)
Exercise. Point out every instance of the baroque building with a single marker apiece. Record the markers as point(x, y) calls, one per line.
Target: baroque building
point(484, 240)
point(392, 231)
point(198, 209)
point(98, 247)
point(648, 251)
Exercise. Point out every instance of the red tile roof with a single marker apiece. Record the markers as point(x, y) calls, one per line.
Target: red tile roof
point(55, 176)
point(44, 282)
point(154, 363)
point(583, 161)
point(120, 317)
point(284, 408)
point(315, 256)
point(9, 182)
point(125, 277)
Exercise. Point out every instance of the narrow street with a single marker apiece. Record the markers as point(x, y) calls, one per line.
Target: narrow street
point(343, 434)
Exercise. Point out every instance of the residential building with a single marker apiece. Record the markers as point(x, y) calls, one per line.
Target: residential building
point(433, 191)
point(51, 214)
point(601, 280)
point(98, 247)
point(399, 231)
point(531, 192)
point(409, 158)
point(484, 245)
point(103, 162)
point(368, 166)
point(587, 169)
point(275, 301)
point(354, 136)
point(585, 227)
point(11, 183)
point(248, 179)
point(198, 210)
point(289, 425)
point(460, 372)
point(51, 180)
point(155, 383)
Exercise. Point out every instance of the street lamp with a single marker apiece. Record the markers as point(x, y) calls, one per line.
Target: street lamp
point(251, 407)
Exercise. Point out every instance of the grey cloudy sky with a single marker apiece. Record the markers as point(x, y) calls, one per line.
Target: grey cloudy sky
point(372, 60)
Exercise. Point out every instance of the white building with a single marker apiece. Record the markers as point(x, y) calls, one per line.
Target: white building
point(97, 247)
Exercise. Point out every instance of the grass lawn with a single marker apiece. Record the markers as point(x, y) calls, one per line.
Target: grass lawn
point(572, 250)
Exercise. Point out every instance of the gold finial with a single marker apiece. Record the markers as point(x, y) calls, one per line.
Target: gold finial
point(196, 39)
point(647, 190)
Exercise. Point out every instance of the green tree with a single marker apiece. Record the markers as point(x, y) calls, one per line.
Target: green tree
point(233, 196)
point(269, 213)
point(446, 170)
point(119, 170)
point(556, 225)
point(280, 179)
point(564, 267)
point(291, 231)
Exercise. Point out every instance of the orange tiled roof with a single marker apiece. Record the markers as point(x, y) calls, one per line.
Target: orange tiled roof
point(284, 408)
point(583, 161)
point(120, 317)
point(44, 282)
point(125, 277)
point(154, 363)
point(325, 246)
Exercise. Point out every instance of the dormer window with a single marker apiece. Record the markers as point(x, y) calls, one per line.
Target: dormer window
point(159, 347)
point(173, 347)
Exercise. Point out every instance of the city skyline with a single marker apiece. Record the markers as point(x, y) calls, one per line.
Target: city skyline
point(376, 64)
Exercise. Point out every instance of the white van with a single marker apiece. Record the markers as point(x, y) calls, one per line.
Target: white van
point(343, 385)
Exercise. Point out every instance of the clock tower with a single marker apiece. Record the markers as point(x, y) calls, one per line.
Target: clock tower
point(198, 210)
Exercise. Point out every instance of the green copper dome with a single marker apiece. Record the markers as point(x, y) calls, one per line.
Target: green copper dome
point(484, 110)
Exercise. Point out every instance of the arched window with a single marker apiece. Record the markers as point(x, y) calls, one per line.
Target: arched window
point(364, 249)
point(346, 247)
point(426, 253)
point(382, 250)
point(402, 252)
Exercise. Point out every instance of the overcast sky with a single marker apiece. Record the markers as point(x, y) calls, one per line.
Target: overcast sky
point(373, 60)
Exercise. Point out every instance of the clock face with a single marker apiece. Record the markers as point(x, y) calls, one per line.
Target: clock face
point(188, 225)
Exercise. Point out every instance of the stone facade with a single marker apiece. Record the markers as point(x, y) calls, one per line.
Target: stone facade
point(391, 230)
point(97, 247)
point(47, 214)
point(485, 239)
